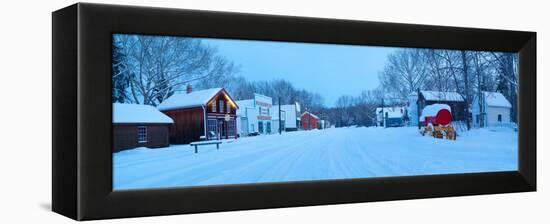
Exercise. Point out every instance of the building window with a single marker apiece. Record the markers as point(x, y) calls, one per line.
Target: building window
point(221, 106)
point(231, 128)
point(228, 108)
point(212, 130)
point(214, 106)
point(260, 126)
point(142, 134)
point(500, 118)
point(268, 127)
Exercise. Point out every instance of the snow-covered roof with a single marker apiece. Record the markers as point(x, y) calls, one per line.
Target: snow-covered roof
point(431, 110)
point(496, 99)
point(313, 115)
point(137, 113)
point(188, 100)
point(442, 96)
point(393, 112)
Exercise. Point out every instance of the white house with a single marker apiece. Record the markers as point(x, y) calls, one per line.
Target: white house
point(255, 115)
point(275, 121)
point(494, 109)
point(290, 114)
point(390, 116)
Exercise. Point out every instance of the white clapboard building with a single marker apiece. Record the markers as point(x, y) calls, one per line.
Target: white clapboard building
point(254, 116)
point(491, 109)
point(290, 114)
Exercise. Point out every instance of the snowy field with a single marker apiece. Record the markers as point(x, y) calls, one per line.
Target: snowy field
point(337, 153)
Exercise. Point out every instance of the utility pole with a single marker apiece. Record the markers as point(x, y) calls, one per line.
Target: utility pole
point(280, 119)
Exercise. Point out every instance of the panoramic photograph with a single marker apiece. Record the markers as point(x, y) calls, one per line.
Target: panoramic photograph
point(201, 111)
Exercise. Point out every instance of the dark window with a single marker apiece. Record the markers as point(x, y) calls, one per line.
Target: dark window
point(142, 134)
point(212, 128)
point(500, 118)
point(214, 106)
point(231, 128)
point(260, 127)
point(221, 106)
point(268, 127)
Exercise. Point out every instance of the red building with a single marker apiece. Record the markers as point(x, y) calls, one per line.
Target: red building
point(137, 125)
point(205, 114)
point(309, 121)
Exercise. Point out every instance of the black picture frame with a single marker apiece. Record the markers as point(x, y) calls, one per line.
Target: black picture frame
point(82, 156)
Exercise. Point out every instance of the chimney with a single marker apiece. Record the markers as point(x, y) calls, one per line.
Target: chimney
point(189, 88)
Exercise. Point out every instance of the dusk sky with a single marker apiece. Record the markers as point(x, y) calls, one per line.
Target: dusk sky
point(328, 69)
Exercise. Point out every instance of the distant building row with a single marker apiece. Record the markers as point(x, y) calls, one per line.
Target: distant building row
point(205, 115)
point(259, 116)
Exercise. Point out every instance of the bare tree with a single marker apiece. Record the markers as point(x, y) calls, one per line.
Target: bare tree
point(439, 77)
point(162, 65)
point(405, 71)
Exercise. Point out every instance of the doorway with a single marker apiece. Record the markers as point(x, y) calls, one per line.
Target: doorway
point(222, 128)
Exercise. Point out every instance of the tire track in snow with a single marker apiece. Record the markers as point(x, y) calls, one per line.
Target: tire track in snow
point(201, 169)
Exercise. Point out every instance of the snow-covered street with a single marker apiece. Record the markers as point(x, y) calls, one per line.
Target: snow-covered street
point(336, 153)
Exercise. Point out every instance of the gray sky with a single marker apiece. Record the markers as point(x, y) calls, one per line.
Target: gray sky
point(328, 69)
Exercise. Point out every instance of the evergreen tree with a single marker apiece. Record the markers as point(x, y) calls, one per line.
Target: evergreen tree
point(121, 77)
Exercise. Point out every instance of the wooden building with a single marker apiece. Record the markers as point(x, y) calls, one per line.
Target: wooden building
point(139, 126)
point(290, 116)
point(205, 114)
point(453, 99)
point(309, 121)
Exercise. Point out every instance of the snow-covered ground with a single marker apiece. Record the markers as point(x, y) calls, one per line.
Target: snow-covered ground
point(336, 153)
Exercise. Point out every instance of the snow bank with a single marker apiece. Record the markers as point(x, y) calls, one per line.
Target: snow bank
point(431, 110)
point(136, 113)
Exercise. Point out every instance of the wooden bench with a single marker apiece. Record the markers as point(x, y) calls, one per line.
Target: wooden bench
point(212, 142)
